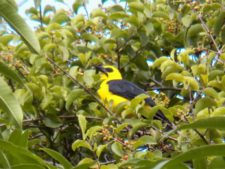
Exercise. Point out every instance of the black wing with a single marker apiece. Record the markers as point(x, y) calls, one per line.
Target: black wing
point(129, 91)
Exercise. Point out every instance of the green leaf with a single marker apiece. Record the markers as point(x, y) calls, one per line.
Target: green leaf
point(109, 166)
point(211, 92)
point(199, 69)
point(120, 127)
point(98, 13)
point(83, 124)
point(13, 4)
point(193, 34)
point(168, 67)
point(84, 57)
point(200, 163)
point(85, 163)
point(115, 8)
point(100, 149)
point(19, 138)
point(159, 61)
point(9, 13)
point(219, 23)
point(52, 121)
point(20, 154)
point(81, 143)
point(220, 111)
point(32, 11)
point(139, 164)
point(202, 103)
point(208, 123)
point(217, 163)
point(60, 17)
point(74, 95)
point(10, 73)
point(144, 140)
point(27, 166)
point(215, 74)
point(136, 6)
point(117, 149)
point(141, 62)
point(175, 76)
point(223, 34)
point(77, 4)
point(4, 161)
point(149, 28)
point(187, 20)
point(58, 157)
point(93, 131)
point(89, 78)
point(50, 47)
point(190, 82)
point(49, 8)
point(138, 99)
point(89, 37)
point(118, 15)
point(9, 103)
point(203, 151)
point(118, 33)
point(5, 39)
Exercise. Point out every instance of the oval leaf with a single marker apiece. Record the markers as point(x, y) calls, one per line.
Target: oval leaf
point(58, 157)
point(203, 151)
point(81, 143)
point(9, 13)
point(9, 103)
point(209, 123)
point(6, 71)
point(83, 124)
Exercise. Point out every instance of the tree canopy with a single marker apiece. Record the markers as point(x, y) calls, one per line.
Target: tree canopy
point(50, 113)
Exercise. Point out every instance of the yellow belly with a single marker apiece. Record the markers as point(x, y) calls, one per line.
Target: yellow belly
point(107, 96)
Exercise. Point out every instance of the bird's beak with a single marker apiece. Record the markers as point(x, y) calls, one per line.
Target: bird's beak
point(101, 69)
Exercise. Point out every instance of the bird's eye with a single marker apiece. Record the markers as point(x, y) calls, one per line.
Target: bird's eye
point(108, 69)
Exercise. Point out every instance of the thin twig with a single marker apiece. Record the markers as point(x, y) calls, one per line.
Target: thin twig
point(205, 27)
point(107, 162)
point(202, 136)
point(62, 117)
point(165, 88)
point(41, 17)
point(118, 56)
point(156, 82)
point(85, 9)
point(81, 85)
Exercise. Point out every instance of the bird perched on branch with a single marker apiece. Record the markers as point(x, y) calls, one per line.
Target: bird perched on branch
point(114, 88)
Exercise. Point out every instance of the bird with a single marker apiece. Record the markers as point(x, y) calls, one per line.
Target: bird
point(116, 89)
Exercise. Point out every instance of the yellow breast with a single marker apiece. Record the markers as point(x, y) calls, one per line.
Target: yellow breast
point(107, 96)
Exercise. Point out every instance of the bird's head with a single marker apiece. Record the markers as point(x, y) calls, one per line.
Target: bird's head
point(109, 72)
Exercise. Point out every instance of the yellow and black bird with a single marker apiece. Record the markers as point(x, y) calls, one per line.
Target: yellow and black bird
point(114, 88)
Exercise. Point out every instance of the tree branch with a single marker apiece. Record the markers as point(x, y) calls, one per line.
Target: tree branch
point(79, 84)
point(41, 17)
point(165, 88)
point(205, 27)
point(85, 9)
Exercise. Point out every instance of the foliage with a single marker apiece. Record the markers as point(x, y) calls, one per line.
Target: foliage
point(50, 114)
